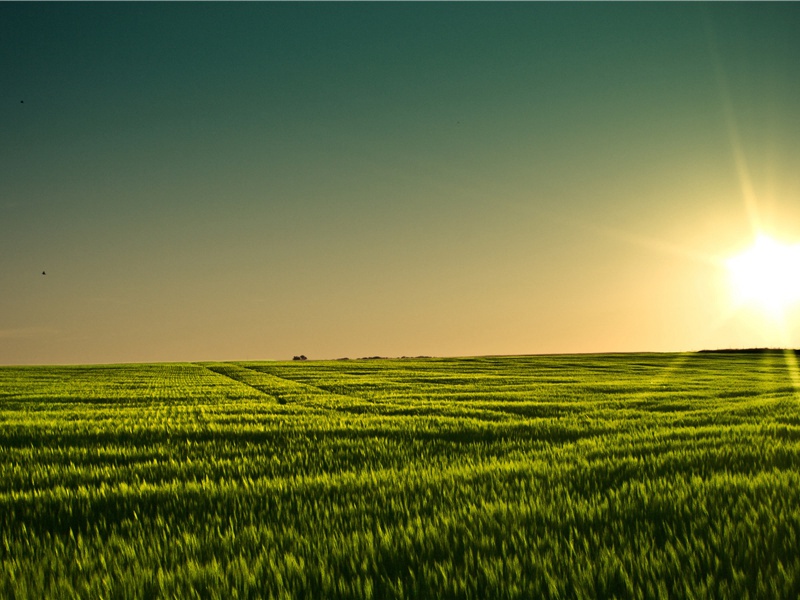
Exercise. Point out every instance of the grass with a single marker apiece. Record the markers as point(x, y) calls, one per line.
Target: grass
point(597, 476)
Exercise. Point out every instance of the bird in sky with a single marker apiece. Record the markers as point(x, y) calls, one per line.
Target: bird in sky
point(43, 273)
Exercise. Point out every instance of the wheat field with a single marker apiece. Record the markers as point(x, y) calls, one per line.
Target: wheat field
point(573, 476)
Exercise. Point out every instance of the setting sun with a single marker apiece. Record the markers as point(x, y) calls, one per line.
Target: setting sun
point(766, 275)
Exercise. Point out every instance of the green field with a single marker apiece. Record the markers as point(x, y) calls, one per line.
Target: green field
point(631, 476)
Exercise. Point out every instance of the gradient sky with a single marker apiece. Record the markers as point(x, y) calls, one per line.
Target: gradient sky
point(254, 181)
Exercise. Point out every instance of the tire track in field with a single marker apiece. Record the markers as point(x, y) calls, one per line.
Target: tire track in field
point(278, 389)
point(289, 390)
point(239, 375)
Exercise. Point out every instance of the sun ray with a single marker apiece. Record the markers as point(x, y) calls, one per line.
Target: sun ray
point(737, 147)
point(657, 245)
point(793, 367)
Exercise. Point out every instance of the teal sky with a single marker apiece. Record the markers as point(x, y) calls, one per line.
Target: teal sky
point(259, 180)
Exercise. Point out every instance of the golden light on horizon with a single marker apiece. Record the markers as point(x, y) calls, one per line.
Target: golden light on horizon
point(766, 275)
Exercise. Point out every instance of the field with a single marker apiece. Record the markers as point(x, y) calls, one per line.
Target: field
point(630, 476)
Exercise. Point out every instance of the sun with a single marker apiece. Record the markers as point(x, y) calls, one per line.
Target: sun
point(766, 275)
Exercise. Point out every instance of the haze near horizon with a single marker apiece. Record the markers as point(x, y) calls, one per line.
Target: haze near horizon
point(213, 181)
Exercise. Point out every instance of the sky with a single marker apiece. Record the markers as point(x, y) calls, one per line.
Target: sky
point(215, 181)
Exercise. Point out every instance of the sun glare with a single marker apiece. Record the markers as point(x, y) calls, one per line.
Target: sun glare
point(767, 275)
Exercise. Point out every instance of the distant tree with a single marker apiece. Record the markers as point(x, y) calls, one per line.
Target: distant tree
point(301, 357)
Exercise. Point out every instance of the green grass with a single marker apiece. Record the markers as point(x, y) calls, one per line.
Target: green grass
point(630, 476)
